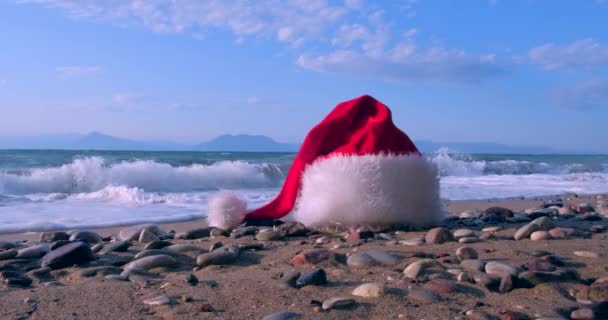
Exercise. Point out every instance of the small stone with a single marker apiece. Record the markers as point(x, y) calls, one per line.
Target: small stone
point(220, 256)
point(316, 277)
point(373, 290)
point(293, 229)
point(464, 277)
point(6, 245)
point(372, 258)
point(216, 245)
point(117, 246)
point(8, 254)
point(586, 254)
point(338, 303)
point(14, 278)
point(511, 315)
point(525, 231)
point(540, 235)
point(132, 233)
point(492, 229)
point(191, 279)
point(464, 253)
point(500, 269)
point(489, 282)
point(438, 236)
point(154, 252)
point(183, 247)
point(440, 286)
point(498, 211)
point(116, 277)
point(313, 257)
point(75, 253)
point(597, 228)
point(468, 240)
point(158, 301)
point(147, 236)
point(151, 262)
point(582, 314)
point(460, 233)
point(544, 223)
point(416, 268)
point(506, 283)
point(60, 243)
point(537, 264)
point(281, 315)
point(198, 233)
point(90, 237)
point(33, 252)
point(53, 236)
point(100, 270)
point(473, 264)
point(412, 242)
point(270, 235)
point(217, 232)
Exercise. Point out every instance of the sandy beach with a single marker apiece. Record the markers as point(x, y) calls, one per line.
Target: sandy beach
point(414, 275)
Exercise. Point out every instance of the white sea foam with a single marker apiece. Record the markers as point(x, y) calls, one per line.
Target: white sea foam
point(93, 174)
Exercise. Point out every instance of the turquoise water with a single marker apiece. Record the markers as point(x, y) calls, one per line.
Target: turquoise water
point(63, 189)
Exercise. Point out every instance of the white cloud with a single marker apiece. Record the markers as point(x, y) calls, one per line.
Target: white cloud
point(583, 96)
point(78, 71)
point(287, 20)
point(581, 54)
point(405, 63)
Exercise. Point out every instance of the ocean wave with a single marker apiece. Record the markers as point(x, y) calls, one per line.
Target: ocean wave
point(460, 164)
point(91, 174)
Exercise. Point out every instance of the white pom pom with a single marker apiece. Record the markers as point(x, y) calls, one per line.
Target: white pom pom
point(226, 210)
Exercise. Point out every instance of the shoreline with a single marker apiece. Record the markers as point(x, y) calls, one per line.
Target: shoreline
point(451, 207)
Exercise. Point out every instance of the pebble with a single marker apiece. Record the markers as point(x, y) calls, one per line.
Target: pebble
point(412, 242)
point(116, 277)
point(464, 253)
point(6, 245)
point(90, 237)
point(487, 281)
point(370, 290)
point(460, 233)
point(15, 278)
point(473, 264)
point(159, 244)
point(540, 235)
point(468, 240)
point(33, 252)
point(198, 233)
point(60, 243)
point(75, 253)
point(154, 252)
point(191, 279)
point(544, 223)
point(525, 231)
point(293, 229)
point(53, 236)
point(102, 270)
point(586, 254)
point(183, 247)
point(313, 257)
point(372, 258)
point(132, 233)
point(338, 303)
point(507, 282)
point(151, 262)
point(146, 236)
point(116, 246)
point(492, 229)
point(470, 214)
point(498, 211)
point(281, 315)
point(440, 286)
point(8, 254)
point(500, 269)
point(316, 277)
point(270, 235)
point(220, 256)
point(158, 301)
point(438, 236)
point(537, 264)
point(416, 268)
point(464, 277)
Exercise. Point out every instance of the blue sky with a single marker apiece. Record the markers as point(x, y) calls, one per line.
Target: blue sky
point(516, 72)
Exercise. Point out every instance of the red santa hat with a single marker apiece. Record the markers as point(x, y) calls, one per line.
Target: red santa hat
point(354, 168)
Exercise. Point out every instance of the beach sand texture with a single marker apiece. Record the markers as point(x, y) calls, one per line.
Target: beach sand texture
point(253, 272)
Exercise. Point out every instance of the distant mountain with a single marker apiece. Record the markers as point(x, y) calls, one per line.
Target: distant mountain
point(246, 143)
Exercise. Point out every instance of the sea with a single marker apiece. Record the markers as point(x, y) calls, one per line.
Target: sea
point(50, 189)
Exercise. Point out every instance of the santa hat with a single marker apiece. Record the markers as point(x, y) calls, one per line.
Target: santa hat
point(354, 168)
